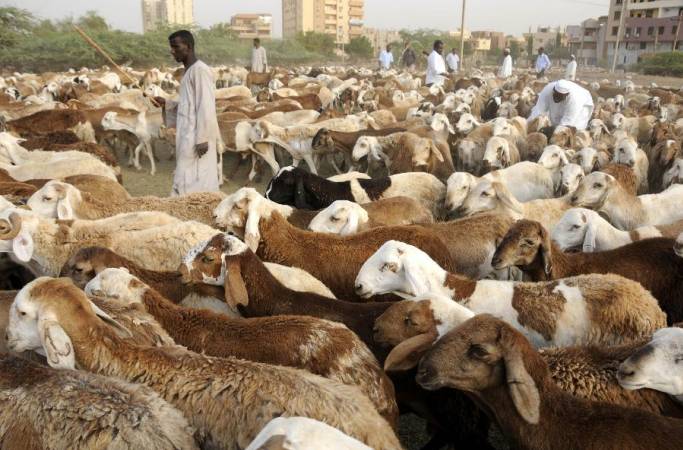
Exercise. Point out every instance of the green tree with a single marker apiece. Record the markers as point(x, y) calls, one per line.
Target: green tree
point(317, 42)
point(360, 47)
point(515, 49)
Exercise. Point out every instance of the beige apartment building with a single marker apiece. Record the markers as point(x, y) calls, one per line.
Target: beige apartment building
point(342, 19)
point(166, 12)
point(250, 26)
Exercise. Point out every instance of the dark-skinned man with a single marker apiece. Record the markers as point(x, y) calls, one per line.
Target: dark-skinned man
point(194, 118)
point(565, 103)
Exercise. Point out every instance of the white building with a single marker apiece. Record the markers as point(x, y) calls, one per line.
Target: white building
point(166, 12)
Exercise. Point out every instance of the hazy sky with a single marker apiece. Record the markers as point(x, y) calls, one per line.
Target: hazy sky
point(510, 16)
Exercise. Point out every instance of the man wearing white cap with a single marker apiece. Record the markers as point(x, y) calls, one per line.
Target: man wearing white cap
point(505, 70)
point(570, 74)
point(566, 103)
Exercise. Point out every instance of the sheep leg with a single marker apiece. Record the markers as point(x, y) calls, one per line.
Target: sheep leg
point(150, 155)
point(135, 157)
point(252, 173)
point(311, 164)
point(269, 157)
point(334, 164)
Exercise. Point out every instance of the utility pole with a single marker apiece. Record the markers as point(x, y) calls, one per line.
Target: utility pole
point(622, 19)
point(678, 29)
point(462, 36)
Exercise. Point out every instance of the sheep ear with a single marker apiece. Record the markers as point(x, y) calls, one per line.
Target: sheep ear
point(408, 353)
point(606, 130)
point(589, 238)
point(108, 319)
point(252, 234)
point(351, 225)
point(414, 277)
point(22, 246)
point(522, 387)
point(546, 251)
point(436, 151)
point(64, 209)
point(506, 198)
point(57, 344)
point(235, 289)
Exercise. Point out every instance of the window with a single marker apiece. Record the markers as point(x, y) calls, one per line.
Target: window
point(615, 30)
point(660, 31)
point(650, 31)
point(643, 45)
point(649, 13)
point(638, 30)
point(617, 15)
point(628, 32)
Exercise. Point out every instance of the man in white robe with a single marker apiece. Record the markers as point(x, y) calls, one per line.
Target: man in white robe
point(570, 74)
point(259, 60)
point(436, 66)
point(453, 61)
point(386, 58)
point(194, 118)
point(505, 70)
point(565, 103)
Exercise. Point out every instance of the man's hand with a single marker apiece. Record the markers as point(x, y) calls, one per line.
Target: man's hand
point(161, 101)
point(201, 149)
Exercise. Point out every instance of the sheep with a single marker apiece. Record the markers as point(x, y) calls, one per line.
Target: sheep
point(500, 152)
point(598, 309)
point(601, 192)
point(495, 197)
point(469, 126)
point(63, 201)
point(228, 400)
point(655, 364)
point(624, 175)
point(662, 159)
point(651, 262)
point(469, 154)
point(586, 372)
point(525, 180)
point(42, 407)
point(535, 143)
point(324, 348)
point(344, 217)
point(59, 169)
point(296, 187)
point(570, 177)
point(674, 175)
point(302, 433)
point(628, 153)
point(639, 128)
point(406, 152)
point(586, 229)
point(508, 376)
point(591, 159)
point(44, 245)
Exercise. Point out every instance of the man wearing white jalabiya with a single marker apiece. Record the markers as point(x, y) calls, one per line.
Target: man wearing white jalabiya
point(505, 70)
point(194, 118)
point(259, 60)
point(386, 58)
point(570, 74)
point(453, 61)
point(436, 66)
point(566, 103)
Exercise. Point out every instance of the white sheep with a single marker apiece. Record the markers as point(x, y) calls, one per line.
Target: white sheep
point(500, 152)
point(302, 433)
point(628, 153)
point(674, 175)
point(570, 177)
point(585, 309)
point(591, 159)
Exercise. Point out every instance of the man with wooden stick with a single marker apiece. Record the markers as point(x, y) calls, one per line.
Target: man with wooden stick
point(194, 118)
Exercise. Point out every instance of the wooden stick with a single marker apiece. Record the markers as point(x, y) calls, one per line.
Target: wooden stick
point(104, 54)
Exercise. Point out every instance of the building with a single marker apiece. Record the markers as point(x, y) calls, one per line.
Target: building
point(250, 26)
point(342, 19)
point(456, 34)
point(480, 44)
point(166, 12)
point(586, 41)
point(546, 37)
point(648, 27)
point(497, 39)
point(381, 38)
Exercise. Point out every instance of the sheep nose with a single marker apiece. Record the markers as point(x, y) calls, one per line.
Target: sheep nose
point(495, 261)
point(575, 199)
point(359, 288)
point(624, 373)
point(425, 373)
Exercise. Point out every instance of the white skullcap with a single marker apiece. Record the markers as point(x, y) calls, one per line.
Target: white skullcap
point(562, 87)
point(572, 57)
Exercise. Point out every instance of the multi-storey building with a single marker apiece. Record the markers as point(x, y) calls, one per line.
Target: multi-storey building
point(497, 38)
point(249, 26)
point(586, 41)
point(381, 38)
point(546, 37)
point(342, 19)
point(648, 27)
point(166, 12)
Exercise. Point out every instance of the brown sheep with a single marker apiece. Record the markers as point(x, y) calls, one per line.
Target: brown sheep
point(535, 143)
point(99, 187)
point(57, 137)
point(319, 346)
point(509, 377)
point(651, 262)
point(624, 174)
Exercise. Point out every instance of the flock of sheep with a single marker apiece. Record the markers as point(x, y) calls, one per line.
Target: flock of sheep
point(479, 270)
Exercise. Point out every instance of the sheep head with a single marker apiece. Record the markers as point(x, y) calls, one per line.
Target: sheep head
point(366, 145)
point(571, 175)
point(466, 123)
point(576, 229)
point(87, 263)
point(656, 365)
point(588, 159)
point(466, 151)
point(502, 127)
point(674, 175)
point(618, 121)
point(492, 355)
point(399, 268)
point(458, 186)
point(497, 153)
point(597, 127)
point(625, 152)
point(553, 157)
point(15, 235)
point(488, 196)
point(117, 284)
point(593, 190)
point(341, 217)
point(524, 244)
point(323, 141)
point(45, 313)
point(55, 200)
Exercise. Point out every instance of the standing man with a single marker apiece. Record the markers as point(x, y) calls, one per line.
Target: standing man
point(194, 118)
point(409, 58)
point(570, 74)
point(453, 61)
point(259, 62)
point(436, 66)
point(566, 104)
point(505, 70)
point(386, 58)
point(542, 63)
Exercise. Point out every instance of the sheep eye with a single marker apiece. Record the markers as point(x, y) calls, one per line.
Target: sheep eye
point(477, 351)
point(47, 199)
point(22, 313)
point(407, 320)
point(463, 188)
point(597, 186)
point(78, 269)
point(207, 259)
point(485, 194)
point(334, 219)
point(527, 243)
point(575, 227)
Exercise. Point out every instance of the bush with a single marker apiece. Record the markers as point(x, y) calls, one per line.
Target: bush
point(360, 47)
point(664, 64)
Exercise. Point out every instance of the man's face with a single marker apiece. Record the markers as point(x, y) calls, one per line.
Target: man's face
point(256, 44)
point(557, 97)
point(179, 49)
point(439, 48)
